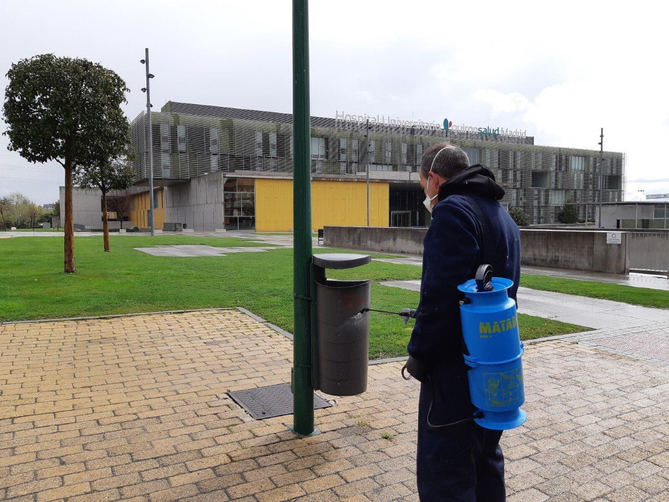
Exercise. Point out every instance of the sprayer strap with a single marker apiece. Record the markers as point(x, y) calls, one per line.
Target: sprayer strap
point(486, 228)
point(478, 414)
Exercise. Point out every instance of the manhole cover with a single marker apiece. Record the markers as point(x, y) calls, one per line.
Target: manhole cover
point(270, 401)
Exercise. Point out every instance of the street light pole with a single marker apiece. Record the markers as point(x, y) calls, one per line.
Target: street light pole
point(367, 159)
point(601, 168)
point(149, 139)
point(302, 384)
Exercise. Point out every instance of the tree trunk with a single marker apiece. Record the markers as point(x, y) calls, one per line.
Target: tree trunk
point(70, 267)
point(105, 226)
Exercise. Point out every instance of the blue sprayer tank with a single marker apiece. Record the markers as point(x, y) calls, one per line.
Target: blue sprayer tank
point(492, 339)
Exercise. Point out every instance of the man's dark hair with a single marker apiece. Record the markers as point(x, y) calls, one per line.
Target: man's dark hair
point(450, 161)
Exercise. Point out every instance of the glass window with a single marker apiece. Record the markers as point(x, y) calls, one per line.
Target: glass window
point(213, 140)
point(165, 164)
point(318, 148)
point(164, 137)
point(404, 153)
point(556, 198)
point(577, 163)
point(474, 155)
point(355, 148)
point(181, 138)
point(258, 144)
point(419, 153)
point(540, 179)
point(245, 185)
point(238, 204)
point(272, 144)
point(388, 151)
point(613, 182)
point(342, 148)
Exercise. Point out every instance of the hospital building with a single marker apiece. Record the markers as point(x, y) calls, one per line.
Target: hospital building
point(218, 168)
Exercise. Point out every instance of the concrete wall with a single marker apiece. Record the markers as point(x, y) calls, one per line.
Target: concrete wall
point(588, 251)
point(390, 240)
point(198, 203)
point(583, 250)
point(648, 250)
point(86, 208)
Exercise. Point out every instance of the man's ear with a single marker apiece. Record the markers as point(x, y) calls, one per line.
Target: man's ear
point(436, 179)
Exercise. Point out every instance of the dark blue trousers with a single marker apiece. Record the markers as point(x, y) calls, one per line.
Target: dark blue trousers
point(460, 463)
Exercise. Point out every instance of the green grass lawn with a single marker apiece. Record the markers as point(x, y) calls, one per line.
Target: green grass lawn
point(36, 229)
point(33, 285)
point(608, 291)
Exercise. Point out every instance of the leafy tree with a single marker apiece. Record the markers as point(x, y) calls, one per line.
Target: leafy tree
point(120, 204)
point(19, 210)
point(44, 216)
point(116, 174)
point(34, 213)
point(55, 214)
point(519, 216)
point(568, 214)
point(5, 209)
point(67, 110)
point(56, 208)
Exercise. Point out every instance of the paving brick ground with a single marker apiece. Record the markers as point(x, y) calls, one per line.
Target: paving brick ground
point(135, 408)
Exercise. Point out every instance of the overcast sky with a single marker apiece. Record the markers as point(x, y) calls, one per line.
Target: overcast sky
point(559, 70)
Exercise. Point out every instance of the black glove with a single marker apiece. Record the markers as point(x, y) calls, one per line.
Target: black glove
point(415, 368)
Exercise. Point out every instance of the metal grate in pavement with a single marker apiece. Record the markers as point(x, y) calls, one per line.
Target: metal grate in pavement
point(270, 401)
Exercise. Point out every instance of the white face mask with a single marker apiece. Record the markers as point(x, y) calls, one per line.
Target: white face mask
point(427, 202)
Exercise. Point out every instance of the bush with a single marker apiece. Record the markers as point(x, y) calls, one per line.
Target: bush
point(568, 214)
point(519, 216)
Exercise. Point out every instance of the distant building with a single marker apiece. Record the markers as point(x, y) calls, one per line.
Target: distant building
point(87, 209)
point(657, 196)
point(636, 215)
point(228, 168)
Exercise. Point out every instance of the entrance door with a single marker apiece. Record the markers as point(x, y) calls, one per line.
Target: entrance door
point(400, 218)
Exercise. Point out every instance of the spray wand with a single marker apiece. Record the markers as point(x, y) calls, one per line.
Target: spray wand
point(404, 313)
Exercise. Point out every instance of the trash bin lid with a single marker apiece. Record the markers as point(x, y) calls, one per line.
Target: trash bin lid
point(341, 260)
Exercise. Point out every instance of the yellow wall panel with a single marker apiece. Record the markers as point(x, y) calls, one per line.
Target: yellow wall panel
point(274, 205)
point(139, 216)
point(335, 203)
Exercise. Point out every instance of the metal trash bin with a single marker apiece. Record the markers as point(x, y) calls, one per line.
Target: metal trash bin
point(341, 348)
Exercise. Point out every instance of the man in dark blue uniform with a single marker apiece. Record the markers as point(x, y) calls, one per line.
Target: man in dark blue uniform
point(457, 460)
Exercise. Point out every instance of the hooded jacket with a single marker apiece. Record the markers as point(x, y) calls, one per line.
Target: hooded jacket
point(454, 247)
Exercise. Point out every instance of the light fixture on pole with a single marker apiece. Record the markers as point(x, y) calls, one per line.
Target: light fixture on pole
point(149, 140)
point(601, 168)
